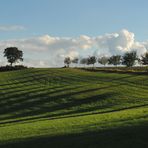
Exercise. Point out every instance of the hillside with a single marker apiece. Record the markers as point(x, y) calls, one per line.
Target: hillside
point(73, 108)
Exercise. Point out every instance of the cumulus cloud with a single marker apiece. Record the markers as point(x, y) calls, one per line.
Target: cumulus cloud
point(11, 28)
point(115, 43)
point(50, 51)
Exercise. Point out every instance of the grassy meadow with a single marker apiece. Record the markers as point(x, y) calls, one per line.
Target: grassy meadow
point(73, 108)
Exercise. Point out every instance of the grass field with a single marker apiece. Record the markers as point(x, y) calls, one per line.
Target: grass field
point(73, 108)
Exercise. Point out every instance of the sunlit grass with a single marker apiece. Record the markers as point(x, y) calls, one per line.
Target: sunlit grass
point(57, 102)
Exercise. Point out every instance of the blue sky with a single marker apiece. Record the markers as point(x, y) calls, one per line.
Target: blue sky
point(39, 27)
point(74, 17)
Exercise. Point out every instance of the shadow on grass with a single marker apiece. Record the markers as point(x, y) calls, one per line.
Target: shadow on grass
point(123, 137)
point(67, 105)
point(77, 113)
point(34, 99)
point(113, 70)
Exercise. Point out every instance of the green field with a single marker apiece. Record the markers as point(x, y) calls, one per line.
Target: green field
point(73, 108)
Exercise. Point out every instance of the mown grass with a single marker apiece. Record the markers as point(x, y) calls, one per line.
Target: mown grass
point(73, 108)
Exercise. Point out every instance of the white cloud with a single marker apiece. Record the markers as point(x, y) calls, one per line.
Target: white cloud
point(50, 51)
point(140, 47)
point(37, 63)
point(11, 28)
point(115, 43)
point(2, 63)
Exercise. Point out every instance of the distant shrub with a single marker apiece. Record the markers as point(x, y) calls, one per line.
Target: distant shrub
point(10, 68)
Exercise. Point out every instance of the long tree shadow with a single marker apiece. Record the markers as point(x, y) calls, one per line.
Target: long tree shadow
point(23, 99)
point(38, 101)
point(108, 70)
point(34, 99)
point(121, 137)
point(69, 104)
point(77, 113)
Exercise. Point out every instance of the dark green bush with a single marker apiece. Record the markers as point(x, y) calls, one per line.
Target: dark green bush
point(10, 68)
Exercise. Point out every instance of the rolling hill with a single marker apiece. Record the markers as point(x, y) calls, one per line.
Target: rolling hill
point(72, 108)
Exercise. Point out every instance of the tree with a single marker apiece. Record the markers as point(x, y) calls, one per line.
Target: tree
point(67, 61)
point(13, 55)
point(103, 60)
point(144, 59)
point(92, 60)
point(140, 61)
point(129, 58)
point(114, 60)
point(84, 61)
point(75, 60)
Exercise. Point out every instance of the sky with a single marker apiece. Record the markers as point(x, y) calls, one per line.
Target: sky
point(49, 30)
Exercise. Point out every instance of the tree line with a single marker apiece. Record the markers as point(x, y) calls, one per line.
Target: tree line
point(129, 59)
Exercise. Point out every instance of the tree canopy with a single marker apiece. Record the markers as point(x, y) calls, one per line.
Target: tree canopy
point(13, 55)
point(92, 60)
point(129, 58)
point(67, 61)
point(103, 60)
point(115, 60)
point(144, 59)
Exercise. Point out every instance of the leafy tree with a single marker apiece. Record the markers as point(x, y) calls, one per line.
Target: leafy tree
point(67, 61)
point(13, 55)
point(75, 60)
point(84, 61)
point(129, 58)
point(144, 59)
point(92, 60)
point(103, 60)
point(115, 60)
